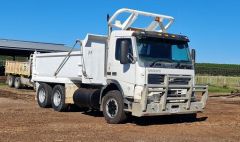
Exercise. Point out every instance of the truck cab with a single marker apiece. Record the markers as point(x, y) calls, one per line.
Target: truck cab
point(155, 71)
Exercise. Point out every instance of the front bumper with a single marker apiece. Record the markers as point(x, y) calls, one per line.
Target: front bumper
point(171, 105)
point(156, 109)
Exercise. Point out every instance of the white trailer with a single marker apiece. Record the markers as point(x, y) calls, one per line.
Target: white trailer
point(140, 71)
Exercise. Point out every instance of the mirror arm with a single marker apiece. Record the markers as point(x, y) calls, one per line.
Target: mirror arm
point(131, 58)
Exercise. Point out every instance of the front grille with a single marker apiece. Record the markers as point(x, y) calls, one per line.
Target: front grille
point(155, 79)
point(179, 81)
point(176, 93)
point(173, 80)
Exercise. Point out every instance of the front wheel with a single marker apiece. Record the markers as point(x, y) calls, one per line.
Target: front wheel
point(113, 107)
point(58, 99)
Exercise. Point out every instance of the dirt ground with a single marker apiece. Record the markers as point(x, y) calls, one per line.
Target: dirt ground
point(22, 120)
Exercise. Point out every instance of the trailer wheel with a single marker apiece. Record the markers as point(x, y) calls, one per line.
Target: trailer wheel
point(44, 95)
point(17, 82)
point(11, 80)
point(113, 107)
point(58, 99)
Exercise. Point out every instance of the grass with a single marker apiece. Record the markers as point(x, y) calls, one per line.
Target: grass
point(231, 82)
point(2, 84)
point(220, 84)
point(217, 89)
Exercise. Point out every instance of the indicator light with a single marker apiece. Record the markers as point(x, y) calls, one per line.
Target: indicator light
point(157, 19)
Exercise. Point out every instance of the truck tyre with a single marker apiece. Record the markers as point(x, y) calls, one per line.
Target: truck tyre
point(11, 80)
point(113, 107)
point(44, 93)
point(17, 82)
point(58, 99)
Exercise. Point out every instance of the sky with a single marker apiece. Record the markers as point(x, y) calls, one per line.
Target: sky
point(213, 26)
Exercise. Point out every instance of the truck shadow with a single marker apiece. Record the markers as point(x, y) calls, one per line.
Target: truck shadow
point(146, 120)
point(27, 88)
point(85, 111)
point(93, 113)
point(163, 120)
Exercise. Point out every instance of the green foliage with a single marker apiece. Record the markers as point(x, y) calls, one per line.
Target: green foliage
point(4, 58)
point(217, 69)
point(2, 84)
point(217, 89)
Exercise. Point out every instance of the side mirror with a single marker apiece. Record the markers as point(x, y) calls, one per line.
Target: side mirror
point(193, 55)
point(124, 45)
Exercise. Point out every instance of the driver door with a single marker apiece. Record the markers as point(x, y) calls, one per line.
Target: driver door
point(124, 74)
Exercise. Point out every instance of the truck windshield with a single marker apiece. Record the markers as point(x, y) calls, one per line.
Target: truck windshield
point(155, 51)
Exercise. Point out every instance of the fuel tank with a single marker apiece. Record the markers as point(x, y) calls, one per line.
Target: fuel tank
point(87, 98)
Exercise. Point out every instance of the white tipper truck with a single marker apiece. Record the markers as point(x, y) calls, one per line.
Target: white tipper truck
point(138, 71)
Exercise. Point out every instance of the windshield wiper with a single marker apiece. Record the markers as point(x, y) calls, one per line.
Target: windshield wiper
point(184, 63)
point(160, 60)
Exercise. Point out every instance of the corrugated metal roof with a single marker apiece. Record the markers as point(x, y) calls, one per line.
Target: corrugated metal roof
point(32, 46)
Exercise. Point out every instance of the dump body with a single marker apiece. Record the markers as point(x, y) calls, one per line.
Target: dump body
point(18, 68)
point(85, 65)
point(45, 66)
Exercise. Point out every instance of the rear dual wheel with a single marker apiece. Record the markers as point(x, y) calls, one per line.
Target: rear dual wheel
point(46, 97)
point(14, 81)
point(10, 80)
point(17, 83)
point(58, 98)
point(44, 93)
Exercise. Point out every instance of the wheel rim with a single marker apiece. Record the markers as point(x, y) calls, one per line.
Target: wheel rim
point(10, 81)
point(57, 98)
point(16, 83)
point(42, 95)
point(111, 108)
